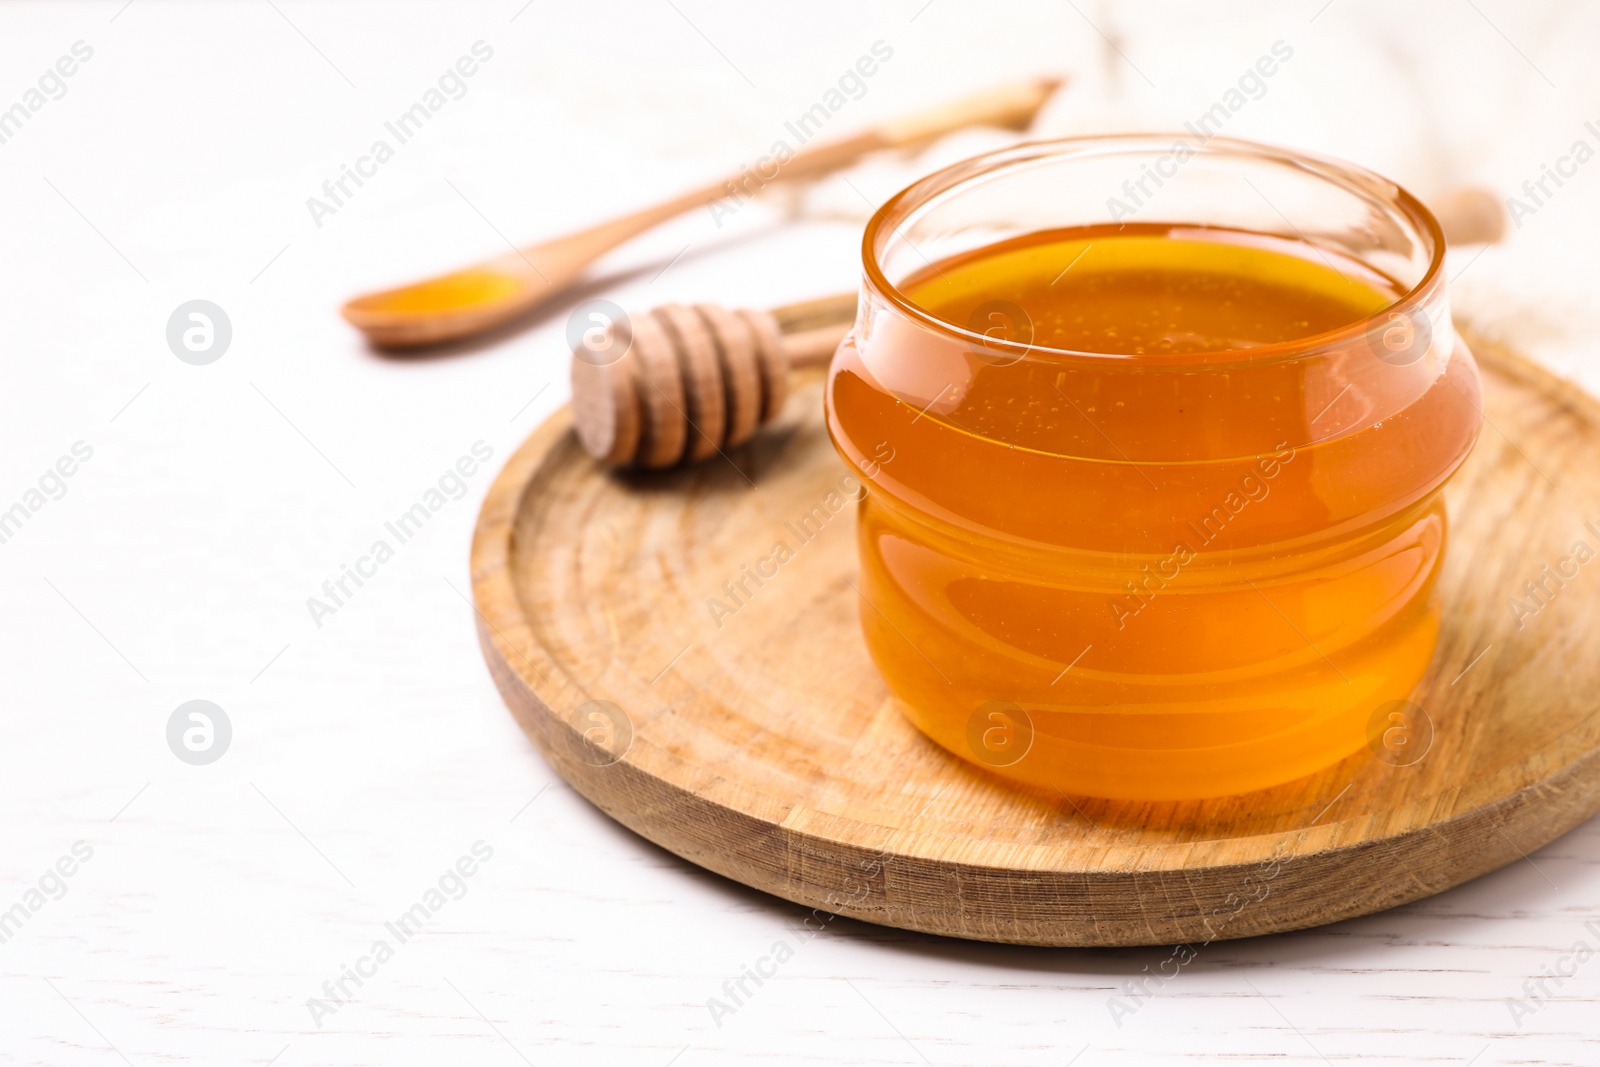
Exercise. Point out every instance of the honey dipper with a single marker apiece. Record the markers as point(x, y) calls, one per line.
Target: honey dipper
point(695, 380)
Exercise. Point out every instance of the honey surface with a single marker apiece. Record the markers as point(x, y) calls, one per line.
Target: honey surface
point(1197, 561)
point(466, 288)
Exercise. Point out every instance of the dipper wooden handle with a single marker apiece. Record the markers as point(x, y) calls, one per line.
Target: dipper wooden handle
point(1470, 215)
point(691, 381)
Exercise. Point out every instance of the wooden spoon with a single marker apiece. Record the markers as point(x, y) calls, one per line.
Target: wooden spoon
point(480, 297)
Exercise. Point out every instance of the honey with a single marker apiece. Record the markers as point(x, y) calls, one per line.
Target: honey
point(473, 287)
point(1165, 516)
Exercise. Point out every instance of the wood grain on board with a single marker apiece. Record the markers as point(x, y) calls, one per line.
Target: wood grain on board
point(767, 748)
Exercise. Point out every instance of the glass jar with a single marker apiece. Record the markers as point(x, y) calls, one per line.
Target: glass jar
point(1194, 569)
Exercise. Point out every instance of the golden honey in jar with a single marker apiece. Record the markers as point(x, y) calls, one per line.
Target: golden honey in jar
point(1164, 515)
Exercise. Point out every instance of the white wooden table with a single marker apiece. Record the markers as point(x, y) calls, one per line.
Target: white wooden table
point(211, 912)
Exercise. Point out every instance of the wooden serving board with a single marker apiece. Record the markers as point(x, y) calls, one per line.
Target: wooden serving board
point(768, 750)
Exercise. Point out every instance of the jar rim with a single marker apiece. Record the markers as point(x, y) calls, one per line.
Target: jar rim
point(1349, 176)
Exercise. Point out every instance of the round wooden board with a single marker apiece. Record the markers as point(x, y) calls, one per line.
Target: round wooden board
point(768, 750)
